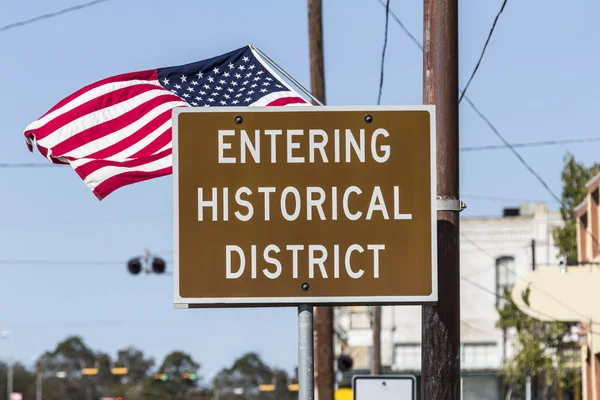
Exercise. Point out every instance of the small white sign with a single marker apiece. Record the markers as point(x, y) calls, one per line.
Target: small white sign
point(16, 396)
point(384, 387)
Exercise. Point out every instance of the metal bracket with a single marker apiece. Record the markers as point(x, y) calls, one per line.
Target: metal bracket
point(444, 203)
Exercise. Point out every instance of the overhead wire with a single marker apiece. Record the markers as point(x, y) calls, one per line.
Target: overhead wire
point(499, 296)
point(65, 262)
point(464, 148)
point(516, 153)
point(51, 15)
point(531, 144)
point(482, 116)
point(28, 165)
point(496, 198)
point(521, 277)
point(385, 40)
point(487, 41)
point(493, 127)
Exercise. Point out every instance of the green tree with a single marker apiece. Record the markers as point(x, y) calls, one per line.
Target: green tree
point(137, 364)
point(128, 385)
point(69, 357)
point(574, 176)
point(23, 381)
point(242, 380)
point(540, 352)
point(175, 365)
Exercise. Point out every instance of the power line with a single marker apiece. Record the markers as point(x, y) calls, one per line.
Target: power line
point(482, 52)
point(51, 15)
point(385, 39)
point(404, 28)
point(29, 165)
point(501, 199)
point(476, 329)
point(519, 276)
point(478, 246)
point(533, 172)
point(531, 144)
point(488, 122)
point(516, 153)
point(60, 262)
point(498, 296)
point(65, 262)
point(465, 148)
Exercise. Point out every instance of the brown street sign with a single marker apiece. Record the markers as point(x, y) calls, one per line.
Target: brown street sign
point(301, 204)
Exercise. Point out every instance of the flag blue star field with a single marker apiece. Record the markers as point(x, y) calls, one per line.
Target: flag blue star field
point(117, 131)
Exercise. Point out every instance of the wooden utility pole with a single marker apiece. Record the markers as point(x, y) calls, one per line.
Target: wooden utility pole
point(440, 377)
point(315, 41)
point(376, 356)
point(323, 316)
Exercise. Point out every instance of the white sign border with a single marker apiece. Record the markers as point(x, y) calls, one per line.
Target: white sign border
point(181, 302)
point(386, 377)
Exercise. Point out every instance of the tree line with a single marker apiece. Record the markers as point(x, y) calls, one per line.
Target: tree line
point(74, 371)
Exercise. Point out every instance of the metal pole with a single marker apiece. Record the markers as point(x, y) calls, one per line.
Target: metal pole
point(441, 321)
point(534, 382)
point(306, 380)
point(9, 380)
point(528, 388)
point(376, 356)
point(533, 263)
point(38, 386)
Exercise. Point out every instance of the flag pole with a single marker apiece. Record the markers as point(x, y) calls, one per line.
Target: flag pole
point(288, 76)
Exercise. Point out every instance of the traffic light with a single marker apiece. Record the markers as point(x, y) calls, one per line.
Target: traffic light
point(119, 371)
point(189, 377)
point(89, 371)
point(134, 266)
point(160, 377)
point(266, 388)
point(345, 363)
point(158, 265)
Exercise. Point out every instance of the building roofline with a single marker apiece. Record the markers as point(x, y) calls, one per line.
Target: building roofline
point(579, 206)
point(592, 180)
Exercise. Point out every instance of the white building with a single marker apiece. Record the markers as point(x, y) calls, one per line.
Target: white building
point(493, 251)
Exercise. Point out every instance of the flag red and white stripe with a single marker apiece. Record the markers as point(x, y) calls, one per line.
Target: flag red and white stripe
point(117, 131)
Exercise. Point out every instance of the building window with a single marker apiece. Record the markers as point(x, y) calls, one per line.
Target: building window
point(506, 276)
point(583, 236)
point(479, 355)
point(407, 356)
point(594, 221)
point(360, 317)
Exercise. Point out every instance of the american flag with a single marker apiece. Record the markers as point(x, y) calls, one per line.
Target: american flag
point(117, 131)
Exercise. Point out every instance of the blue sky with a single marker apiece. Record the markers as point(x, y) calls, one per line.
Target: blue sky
point(535, 83)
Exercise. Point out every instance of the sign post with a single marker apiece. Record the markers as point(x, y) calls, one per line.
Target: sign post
point(306, 354)
point(302, 206)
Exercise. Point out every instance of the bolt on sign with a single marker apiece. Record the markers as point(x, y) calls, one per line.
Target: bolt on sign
point(297, 204)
